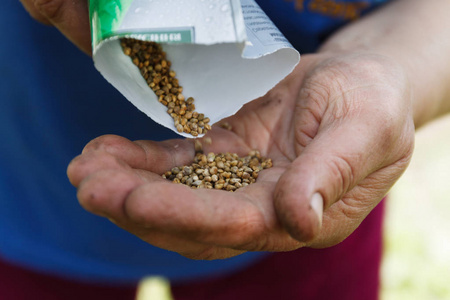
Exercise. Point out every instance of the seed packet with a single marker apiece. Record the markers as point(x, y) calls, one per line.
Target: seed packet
point(225, 52)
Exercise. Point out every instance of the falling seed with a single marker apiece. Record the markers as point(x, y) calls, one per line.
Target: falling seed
point(154, 66)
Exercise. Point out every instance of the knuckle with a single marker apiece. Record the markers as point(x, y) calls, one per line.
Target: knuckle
point(89, 198)
point(341, 170)
point(252, 235)
point(105, 142)
point(34, 13)
point(51, 9)
point(315, 93)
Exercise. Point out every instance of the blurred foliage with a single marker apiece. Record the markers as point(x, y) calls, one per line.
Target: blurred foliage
point(417, 229)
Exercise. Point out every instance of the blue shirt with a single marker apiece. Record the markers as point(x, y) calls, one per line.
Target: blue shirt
point(53, 103)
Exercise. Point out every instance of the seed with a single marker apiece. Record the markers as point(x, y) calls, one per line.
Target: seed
point(213, 170)
point(190, 101)
point(226, 126)
point(211, 157)
point(198, 146)
point(187, 171)
point(151, 60)
point(197, 182)
point(231, 188)
point(208, 141)
point(216, 170)
point(235, 180)
point(180, 128)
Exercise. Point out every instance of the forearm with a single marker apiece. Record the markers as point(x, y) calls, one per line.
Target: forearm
point(416, 34)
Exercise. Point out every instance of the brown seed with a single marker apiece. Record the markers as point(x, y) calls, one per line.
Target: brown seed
point(226, 126)
point(213, 170)
point(207, 140)
point(127, 50)
point(151, 60)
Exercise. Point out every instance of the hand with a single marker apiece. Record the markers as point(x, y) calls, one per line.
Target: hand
point(71, 17)
point(339, 130)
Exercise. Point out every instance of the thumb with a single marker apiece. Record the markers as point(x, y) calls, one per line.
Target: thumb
point(71, 17)
point(330, 166)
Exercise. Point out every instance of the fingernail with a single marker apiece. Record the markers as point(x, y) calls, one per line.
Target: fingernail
point(317, 206)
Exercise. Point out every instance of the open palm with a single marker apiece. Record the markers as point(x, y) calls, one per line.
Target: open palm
point(339, 131)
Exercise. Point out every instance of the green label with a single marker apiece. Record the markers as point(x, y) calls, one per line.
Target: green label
point(106, 16)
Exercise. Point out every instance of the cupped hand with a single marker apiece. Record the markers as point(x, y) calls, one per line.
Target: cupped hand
point(338, 129)
point(71, 17)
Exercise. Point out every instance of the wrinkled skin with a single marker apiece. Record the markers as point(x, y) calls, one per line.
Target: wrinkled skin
point(70, 17)
point(340, 125)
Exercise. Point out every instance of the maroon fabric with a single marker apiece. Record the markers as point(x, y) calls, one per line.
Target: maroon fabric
point(347, 271)
point(21, 284)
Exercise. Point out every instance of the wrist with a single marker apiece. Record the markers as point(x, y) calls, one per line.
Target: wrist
point(397, 33)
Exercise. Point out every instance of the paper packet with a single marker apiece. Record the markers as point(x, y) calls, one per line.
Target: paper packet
point(225, 52)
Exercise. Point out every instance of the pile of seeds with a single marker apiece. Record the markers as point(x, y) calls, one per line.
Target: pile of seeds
point(223, 171)
point(151, 60)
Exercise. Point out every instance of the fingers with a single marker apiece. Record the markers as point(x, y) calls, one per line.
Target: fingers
point(206, 216)
point(111, 150)
point(34, 12)
point(145, 204)
point(71, 17)
point(106, 193)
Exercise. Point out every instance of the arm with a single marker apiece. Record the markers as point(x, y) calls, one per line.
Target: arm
point(416, 34)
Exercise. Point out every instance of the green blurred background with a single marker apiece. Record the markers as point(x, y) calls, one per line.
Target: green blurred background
point(417, 229)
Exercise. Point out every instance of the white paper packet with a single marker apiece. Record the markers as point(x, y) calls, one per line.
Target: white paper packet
point(225, 52)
